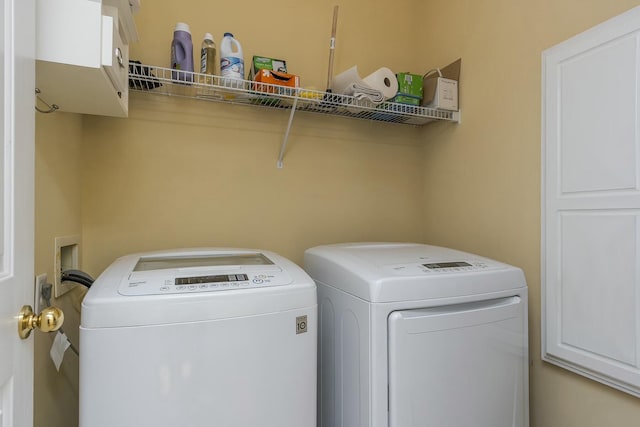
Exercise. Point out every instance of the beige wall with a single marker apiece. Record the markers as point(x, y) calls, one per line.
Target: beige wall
point(187, 173)
point(179, 174)
point(297, 31)
point(57, 193)
point(184, 173)
point(482, 178)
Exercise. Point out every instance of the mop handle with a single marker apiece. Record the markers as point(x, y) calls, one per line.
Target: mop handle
point(332, 46)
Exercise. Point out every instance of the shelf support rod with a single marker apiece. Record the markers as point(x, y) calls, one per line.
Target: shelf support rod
point(283, 147)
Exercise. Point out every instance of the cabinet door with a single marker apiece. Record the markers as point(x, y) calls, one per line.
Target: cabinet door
point(82, 63)
point(69, 32)
point(591, 203)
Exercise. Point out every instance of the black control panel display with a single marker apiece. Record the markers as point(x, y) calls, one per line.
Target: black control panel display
point(455, 264)
point(211, 279)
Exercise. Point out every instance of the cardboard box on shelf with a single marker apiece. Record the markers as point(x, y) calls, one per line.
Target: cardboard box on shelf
point(409, 89)
point(410, 84)
point(274, 78)
point(441, 89)
point(263, 63)
point(406, 99)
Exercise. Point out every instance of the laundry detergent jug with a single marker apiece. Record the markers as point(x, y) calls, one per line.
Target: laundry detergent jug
point(231, 60)
point(182, 53)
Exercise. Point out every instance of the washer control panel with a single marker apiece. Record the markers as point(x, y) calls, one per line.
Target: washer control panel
point(182, 283)
point(184, 273)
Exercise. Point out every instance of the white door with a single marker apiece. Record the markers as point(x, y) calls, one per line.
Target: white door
point(591, 203)
point(17, 123)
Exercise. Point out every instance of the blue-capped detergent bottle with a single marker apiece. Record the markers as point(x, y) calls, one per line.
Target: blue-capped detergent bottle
point(231, 60)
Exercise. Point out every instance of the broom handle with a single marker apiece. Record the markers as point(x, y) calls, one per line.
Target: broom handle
point(332, 46)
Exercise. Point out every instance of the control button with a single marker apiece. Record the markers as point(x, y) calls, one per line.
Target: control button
point(164, 288)
point(180, 287)
point(192, 287)
point(235, 285)
point(203, 286)
point(134, 284)
point(245, 283)
point(258, 281)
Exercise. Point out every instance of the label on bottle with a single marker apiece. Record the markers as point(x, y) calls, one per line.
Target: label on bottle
point(208, 60)
point(230, 66)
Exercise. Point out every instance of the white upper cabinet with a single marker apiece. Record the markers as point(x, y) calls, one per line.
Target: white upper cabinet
point(83, 55)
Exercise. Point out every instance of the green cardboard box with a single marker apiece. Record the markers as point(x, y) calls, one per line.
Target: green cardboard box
point(406, 99)
point(410, 85)
point(263, 63)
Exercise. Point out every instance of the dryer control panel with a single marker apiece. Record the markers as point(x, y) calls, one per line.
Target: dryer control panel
point(454, 266)
point(431, 266)
point(178, 275)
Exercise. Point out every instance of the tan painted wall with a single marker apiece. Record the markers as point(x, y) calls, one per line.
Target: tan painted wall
point(184, 173)
point(482, 178)
point(57, 194)
point(297, 31)
point(176, 174)
point(189, 173)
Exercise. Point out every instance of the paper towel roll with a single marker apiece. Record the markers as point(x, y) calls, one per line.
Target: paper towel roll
point(384, 80)
point(376, 87)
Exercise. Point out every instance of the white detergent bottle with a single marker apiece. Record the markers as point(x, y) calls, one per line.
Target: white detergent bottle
point(231, 60)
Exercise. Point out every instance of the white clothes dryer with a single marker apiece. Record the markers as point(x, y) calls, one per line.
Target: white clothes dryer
point(413, 335)
point(199, 337)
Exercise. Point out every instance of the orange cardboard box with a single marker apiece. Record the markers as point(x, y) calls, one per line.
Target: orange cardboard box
point(274, 78)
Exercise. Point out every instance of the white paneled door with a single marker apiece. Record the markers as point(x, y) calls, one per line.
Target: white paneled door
point(17, 41)
point(591, 203)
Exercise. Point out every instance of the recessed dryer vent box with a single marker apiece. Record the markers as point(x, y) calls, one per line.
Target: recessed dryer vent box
point(66, 256)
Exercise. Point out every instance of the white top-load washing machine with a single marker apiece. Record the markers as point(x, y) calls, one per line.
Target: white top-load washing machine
point(412, 335)
point(200, 337)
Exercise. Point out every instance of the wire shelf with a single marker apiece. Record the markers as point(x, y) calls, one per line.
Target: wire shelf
point(165, 81)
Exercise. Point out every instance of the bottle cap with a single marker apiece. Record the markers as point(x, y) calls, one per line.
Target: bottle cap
point(181, 26)
point(208, 36)
point(228, 34)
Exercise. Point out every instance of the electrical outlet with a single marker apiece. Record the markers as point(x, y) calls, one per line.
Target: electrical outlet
point(66, 256)
point(40, 303)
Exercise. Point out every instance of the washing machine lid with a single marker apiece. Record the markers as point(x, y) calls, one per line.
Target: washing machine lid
point(389, 272)
point(185, 285)
point(184, 272)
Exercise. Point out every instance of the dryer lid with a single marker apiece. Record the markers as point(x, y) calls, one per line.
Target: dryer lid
point(388, 272)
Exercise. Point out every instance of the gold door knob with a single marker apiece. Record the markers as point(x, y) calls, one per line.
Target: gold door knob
point(49, 320)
